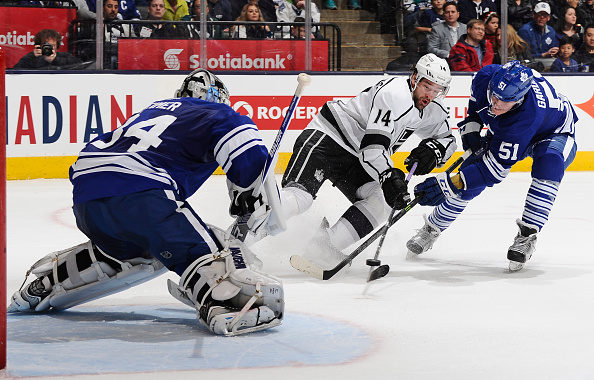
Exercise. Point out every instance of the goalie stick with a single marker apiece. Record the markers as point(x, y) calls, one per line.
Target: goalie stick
point(307, 267)
point(239, 229)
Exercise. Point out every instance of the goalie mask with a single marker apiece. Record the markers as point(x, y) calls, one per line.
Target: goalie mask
point(434, 69)
point(203, 84)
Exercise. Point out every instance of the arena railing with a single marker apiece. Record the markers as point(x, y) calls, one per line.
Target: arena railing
point(121, 35)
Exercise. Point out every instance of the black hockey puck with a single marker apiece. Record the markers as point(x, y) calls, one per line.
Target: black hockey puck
point(373, 262)
point(379, 272)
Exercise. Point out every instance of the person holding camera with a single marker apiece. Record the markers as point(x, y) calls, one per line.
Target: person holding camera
point(45, 54)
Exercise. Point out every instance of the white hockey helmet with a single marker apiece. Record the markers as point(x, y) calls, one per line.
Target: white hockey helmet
point(203, 84)
point(434, 69)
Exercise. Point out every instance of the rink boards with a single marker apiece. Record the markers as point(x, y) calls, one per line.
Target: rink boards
point(51, 116)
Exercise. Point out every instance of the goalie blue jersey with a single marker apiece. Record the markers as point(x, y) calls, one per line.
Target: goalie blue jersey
point(173, 144)
point(543, 113)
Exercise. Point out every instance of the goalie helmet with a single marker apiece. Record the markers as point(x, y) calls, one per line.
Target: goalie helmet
point(510, 82)
point(203, 84)
point(434, 69)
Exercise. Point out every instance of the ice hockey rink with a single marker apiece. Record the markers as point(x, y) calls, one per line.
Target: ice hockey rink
point(453, 313)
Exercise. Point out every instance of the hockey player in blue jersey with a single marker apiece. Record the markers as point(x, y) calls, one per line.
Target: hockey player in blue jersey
point(524, 117)
point(130, 188)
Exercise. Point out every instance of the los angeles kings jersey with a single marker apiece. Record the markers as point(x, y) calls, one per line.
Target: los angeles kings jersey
point(374, 124)
point(173, 144)
point(542, 113)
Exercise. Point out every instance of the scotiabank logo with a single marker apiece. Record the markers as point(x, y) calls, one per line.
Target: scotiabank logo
point(268, 111)
point(171, 59)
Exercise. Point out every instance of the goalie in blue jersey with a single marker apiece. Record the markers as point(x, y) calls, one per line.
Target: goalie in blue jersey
point(130, 188)
point(524, 117)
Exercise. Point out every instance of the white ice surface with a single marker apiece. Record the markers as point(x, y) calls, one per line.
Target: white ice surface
point(454, 313)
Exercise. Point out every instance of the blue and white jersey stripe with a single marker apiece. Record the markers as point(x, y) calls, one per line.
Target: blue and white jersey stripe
point(174, 144)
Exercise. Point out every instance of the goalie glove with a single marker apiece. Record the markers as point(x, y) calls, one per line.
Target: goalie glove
point(428, 154)
point(435, 190)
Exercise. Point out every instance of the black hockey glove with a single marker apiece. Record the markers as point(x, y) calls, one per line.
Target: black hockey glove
point(427, 154)
point(395, 188)
point(244, 203)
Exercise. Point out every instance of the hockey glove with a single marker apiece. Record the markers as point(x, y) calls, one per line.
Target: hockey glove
point(470, 133)
point(427, 154)
point(436, 189)
point(245, 203)
point(395, 188)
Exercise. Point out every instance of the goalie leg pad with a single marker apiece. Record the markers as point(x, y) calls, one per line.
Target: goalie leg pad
point(230, 298)
point(83, 273)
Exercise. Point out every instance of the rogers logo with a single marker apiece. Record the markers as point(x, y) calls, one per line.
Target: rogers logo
point(245, 107)
point(171, 59)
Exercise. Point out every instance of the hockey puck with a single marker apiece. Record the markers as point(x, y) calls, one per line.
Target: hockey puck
point(373, 262)
point(379, 272)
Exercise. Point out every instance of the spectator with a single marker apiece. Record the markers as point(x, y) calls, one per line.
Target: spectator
point(156, 11)
point(430, 17)
point(472, 52)
point(257, 30)
point(519, 12)
point(564, 63)
point(298, 31)
point(85, 9)
point(491, 26)
point(45, 54)
point(471, 9)
point(194, 28)
point(128, 10)
point(220, 10)
point(287, 11)
point(176, 10)
point(267, 7)
point(585, 13)
point(113, 32)
point(541, 37)
point(445, 35)
point(517, 48)
point(567, 26)
point(585, 54)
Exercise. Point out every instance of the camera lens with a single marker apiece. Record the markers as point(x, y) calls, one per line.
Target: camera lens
point(47, 49)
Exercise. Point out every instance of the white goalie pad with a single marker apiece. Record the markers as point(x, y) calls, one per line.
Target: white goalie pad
point(96, 281)
point(229, 296)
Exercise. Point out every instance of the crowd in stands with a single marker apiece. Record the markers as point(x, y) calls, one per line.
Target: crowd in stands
point(547, 35)
point(173, 19)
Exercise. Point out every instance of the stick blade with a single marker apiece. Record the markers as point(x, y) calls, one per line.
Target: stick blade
point(379, 272)
point(307, 267)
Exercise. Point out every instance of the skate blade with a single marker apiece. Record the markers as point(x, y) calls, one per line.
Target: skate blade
point(515, 266)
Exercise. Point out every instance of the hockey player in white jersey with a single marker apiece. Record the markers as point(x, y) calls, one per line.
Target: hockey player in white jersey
point(351, 144)
point(129, 190)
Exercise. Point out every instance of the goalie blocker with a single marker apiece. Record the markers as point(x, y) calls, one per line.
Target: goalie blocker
point(230, 298)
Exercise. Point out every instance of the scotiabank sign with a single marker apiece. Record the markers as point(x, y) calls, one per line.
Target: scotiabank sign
point(18, 26)
point(268, 111)
point(272, 55)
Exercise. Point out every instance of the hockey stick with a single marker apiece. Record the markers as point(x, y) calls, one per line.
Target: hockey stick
point(375, 262)
point(239, 229)
point(307, 267)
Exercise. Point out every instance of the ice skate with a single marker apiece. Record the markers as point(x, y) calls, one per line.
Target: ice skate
point(27, 299)
point(423, 240)
point(320, 250)
point(523, 247)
